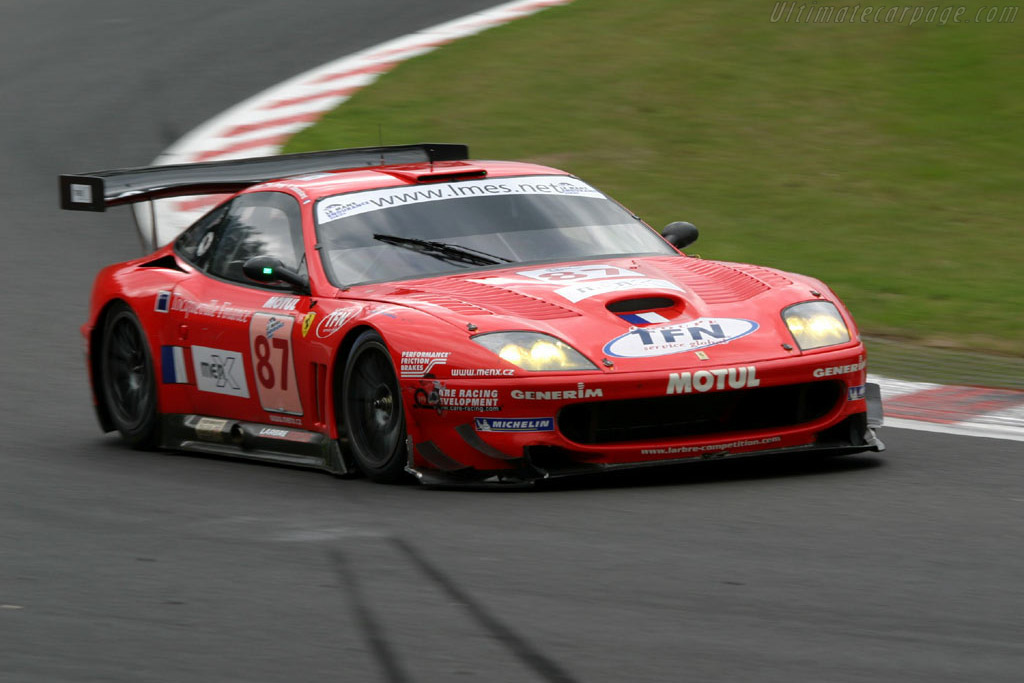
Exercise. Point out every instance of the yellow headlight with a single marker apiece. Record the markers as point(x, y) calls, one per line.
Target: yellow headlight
point(544, 354)
point(513, 353)
point(534, 351)
point(816, 324)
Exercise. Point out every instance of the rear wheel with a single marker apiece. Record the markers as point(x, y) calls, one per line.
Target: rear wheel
point(373, 412)
point(128, 380)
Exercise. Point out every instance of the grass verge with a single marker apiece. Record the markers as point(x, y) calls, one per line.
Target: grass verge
point(885, 158)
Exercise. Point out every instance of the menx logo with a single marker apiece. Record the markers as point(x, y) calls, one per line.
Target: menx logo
point(220, 370)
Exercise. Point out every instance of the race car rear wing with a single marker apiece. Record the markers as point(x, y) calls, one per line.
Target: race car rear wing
point(97, 190)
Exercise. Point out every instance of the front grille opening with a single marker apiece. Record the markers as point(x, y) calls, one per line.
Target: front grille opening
point(646, 303)
point(692, 415)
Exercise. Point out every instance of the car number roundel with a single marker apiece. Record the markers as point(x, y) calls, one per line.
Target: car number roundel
point(662, 340)
point(270, 343)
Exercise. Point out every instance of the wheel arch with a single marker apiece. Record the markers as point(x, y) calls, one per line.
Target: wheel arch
point(95, 363)
point(339, 361)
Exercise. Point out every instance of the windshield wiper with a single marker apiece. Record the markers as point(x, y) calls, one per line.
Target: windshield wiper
point(443, 250)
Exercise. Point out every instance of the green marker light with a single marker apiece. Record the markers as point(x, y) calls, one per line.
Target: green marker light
point(268, 271)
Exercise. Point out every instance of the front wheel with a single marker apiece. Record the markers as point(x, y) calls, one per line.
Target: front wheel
point(127, 378)
point(372, 408)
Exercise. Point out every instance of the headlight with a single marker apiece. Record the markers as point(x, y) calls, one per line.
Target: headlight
point(816, 324)
point(534, 351)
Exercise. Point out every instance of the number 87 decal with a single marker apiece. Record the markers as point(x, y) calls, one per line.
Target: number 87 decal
point(270, 342)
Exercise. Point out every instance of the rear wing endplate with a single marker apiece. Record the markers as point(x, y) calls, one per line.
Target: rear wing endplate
point(97, 190)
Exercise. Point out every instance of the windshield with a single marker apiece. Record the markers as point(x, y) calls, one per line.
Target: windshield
point(402, 232)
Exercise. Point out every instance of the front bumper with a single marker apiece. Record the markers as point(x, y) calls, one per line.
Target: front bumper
point(521, 430)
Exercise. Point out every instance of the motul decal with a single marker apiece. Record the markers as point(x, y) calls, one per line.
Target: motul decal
point(705, 380)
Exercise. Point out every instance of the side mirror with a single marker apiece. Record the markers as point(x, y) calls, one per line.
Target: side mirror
point(680, 234)
point(268, 270)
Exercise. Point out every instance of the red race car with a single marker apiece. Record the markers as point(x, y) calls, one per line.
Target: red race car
point(404, 310)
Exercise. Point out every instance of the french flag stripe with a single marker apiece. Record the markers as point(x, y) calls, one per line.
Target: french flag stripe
point(648, 318)
point(173, 363)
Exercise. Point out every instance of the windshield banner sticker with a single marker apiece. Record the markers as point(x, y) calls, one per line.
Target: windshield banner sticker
point(645, 342)
point(343, 206)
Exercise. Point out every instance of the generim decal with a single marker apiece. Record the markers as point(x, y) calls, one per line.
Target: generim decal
point(644, 342)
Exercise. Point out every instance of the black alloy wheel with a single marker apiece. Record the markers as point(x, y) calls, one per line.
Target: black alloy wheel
point(127, 377)
point(373, 413)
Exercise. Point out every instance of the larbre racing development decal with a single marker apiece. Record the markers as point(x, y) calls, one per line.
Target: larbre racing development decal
point(270, 343)
point(646, 342)
point(706, 380)
point(220, 371)
point(580, 292)
point(514, 424)
point(434, 394)
point(420, 363)
point(343, 206)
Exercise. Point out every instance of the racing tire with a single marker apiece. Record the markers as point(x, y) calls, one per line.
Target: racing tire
point(373, 412)
point(128, 379)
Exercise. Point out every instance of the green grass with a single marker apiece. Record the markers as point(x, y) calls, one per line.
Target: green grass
point(886, 159)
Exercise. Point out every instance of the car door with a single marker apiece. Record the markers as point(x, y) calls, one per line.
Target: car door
point(242, 336)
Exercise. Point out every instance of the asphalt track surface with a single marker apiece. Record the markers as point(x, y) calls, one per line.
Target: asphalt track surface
point(125, 566)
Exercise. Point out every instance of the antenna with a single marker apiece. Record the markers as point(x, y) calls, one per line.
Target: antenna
point(380, 140)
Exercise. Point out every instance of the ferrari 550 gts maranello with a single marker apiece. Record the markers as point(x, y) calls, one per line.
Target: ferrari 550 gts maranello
point(400, 311)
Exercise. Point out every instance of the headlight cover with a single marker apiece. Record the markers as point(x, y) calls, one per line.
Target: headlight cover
point(816, 324)
point(534, 351)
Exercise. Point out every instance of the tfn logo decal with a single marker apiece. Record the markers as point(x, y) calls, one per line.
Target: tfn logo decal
point(219, 371)
point(525, 424)
point(163, 302)
point(663, 340)
point(333, 322)
point(706, 380)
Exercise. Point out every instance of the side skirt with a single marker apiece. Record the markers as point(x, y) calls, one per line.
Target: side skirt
point(253, 441)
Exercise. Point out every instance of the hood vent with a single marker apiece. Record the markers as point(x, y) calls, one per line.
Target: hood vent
point(646, 303)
